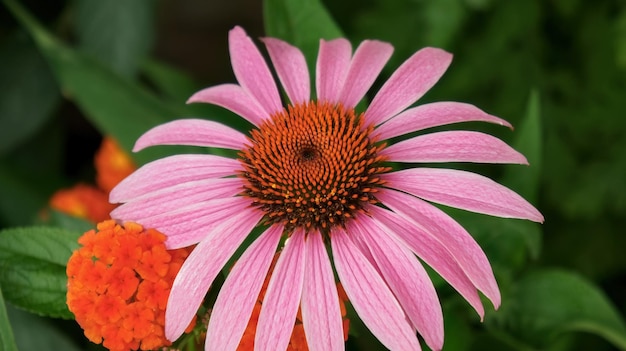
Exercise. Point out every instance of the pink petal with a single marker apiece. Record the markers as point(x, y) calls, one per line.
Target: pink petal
point(321, 314)
point(170, 171)
point(195, 132)
point(234, 98)
point(464, 190)
point(291, 68)
point(281, 301)
point(431, 251)
point(252, 72)
point(368, 60)
point(408, 83)
point(198, 272)
point(453, 146)
point(407, 279)
point(361, 244)
point(452, 235)
point(190, 224)
point(237, 298)
point(370, 296)
point(177, 196)
point(433, 115)
point(333, 62)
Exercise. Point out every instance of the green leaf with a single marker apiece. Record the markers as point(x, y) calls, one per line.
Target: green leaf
point(302, 23)
point(171, 82)
point(119, 33)
point(7, 341)
point(547, 303)
point(50, 335)
point(525, 179)
point(177, 87)
point(29, 91)
point(115, 105)
point(32, 268)
point(61, 220)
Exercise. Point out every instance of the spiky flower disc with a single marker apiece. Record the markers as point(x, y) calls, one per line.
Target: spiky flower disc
point(312, 166)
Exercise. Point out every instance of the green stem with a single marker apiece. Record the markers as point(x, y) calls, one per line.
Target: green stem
point(7, 341)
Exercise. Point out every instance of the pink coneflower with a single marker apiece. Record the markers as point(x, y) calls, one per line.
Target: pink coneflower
point(315, 172)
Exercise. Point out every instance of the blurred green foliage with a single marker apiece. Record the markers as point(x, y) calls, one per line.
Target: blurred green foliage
point(556, 69)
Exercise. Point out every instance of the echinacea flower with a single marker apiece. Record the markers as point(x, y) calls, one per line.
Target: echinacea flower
point(118, 284)
point(315, 172)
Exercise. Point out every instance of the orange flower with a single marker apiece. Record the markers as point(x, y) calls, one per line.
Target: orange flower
point(298, 338)
point(112, 164)
point(83, 201)
point(118, 285)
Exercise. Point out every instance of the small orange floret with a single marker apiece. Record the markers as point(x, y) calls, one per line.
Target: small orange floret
point(117, 298)
point(112, 164)
point(298, 337)
point(83, 201)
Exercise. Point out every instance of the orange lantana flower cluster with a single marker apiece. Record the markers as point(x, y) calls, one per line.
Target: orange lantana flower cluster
point(118, 285)
point(92, 202)
point(298, 338)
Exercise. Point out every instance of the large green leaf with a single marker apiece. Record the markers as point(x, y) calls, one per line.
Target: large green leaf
point(177, 86)
point(50, 335)
point(119, 33)
point(32, 268)
point(300, 22)
point(7, 341)
point(29, 92)
point(62, 220)
point(545, 304)
point(170, 81)
point(115, 105)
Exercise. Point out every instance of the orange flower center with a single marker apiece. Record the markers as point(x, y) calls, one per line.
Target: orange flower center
point(312, 166)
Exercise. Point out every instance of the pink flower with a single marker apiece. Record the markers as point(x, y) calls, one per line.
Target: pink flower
point(315, 173)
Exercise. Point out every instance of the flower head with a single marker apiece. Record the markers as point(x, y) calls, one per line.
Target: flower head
point(118, 285)
point(315, 172)
point(112, 164)
point(83, 201)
